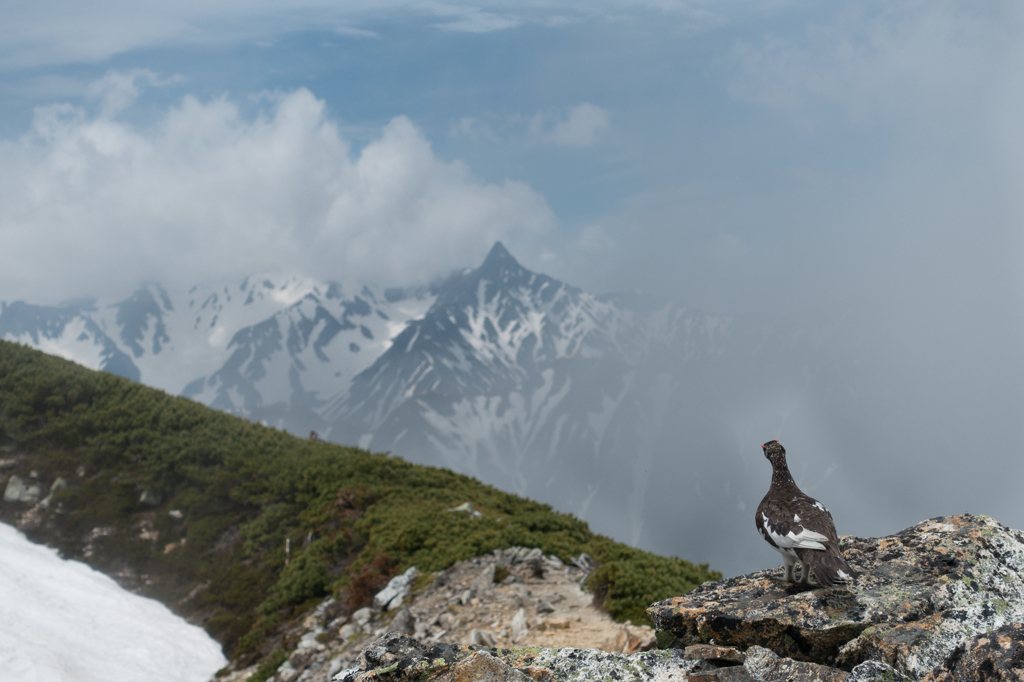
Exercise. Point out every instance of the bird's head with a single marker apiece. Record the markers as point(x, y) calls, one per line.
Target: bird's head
point(775, 453)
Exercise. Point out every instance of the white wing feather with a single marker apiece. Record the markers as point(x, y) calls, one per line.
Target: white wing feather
point(805, 539)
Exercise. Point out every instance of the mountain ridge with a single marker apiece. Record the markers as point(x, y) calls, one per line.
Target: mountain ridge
point(508, 375)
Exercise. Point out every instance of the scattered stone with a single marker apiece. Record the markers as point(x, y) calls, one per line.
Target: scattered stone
point(483, 583)
point(921, 591)
point(150, 498)
point(519, 626)
point(18, 490)
point(545, 607)
point(481, 638)
point(391, 596)
point(362, 616)
point(286, 672)
point(58, 483)
point(440, 616)
point(404, 622)
point(176, 514)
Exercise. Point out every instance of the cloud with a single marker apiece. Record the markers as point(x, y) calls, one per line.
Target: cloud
point(915, 66)
point(473, 20)
point(118, 90)
point(580, 127)
point(89, 204)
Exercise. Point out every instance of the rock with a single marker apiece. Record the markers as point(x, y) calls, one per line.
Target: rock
point(482, 667)
point(734, 674)
point(466, 508)
point(481, 638)
point(997, 655)
point(876, 671)
point(921, 591)
point(362, 616)
point(346, 632)
point(484, 582)
point(286, 673)
point(519, 627)
point(763, 665)
point(545, 607)
point(719, 655)
point(58, 483)
point(398, 587)
point(150, 498)
point(404, 622)
point(18, 490)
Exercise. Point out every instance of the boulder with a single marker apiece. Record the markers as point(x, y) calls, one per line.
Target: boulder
point(18, 490)
point(995, 656)
point(397, 588)
point(921, 592)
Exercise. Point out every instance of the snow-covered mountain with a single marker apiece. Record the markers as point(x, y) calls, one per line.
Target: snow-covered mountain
point(527, 383)
point(514, 377)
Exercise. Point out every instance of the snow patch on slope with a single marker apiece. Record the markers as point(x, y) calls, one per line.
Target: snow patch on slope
point(62, 621)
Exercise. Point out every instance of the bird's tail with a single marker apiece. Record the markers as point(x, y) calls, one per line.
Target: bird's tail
point(830, 567)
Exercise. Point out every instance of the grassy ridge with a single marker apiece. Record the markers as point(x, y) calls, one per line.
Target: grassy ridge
point(241, 489)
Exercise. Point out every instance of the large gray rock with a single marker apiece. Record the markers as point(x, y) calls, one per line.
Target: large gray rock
point(18, 490)
point(397, 588)
point(920, 593)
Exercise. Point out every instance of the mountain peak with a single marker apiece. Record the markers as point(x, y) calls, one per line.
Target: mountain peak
point(499, 259)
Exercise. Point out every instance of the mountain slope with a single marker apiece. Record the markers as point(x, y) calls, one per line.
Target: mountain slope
point(237, 526)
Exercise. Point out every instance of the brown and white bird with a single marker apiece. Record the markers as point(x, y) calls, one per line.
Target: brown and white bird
point(799, 527)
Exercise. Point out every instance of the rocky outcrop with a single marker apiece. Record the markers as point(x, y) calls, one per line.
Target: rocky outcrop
point(920, 593)
point(398, 658)
point(939, 602)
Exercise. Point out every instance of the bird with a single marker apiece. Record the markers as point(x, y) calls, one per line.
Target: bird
point(799, 527)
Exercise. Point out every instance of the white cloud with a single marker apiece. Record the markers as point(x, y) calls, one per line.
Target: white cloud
point(91, 204)
point(473, 20)
point(580, 127)
point(118, 90)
